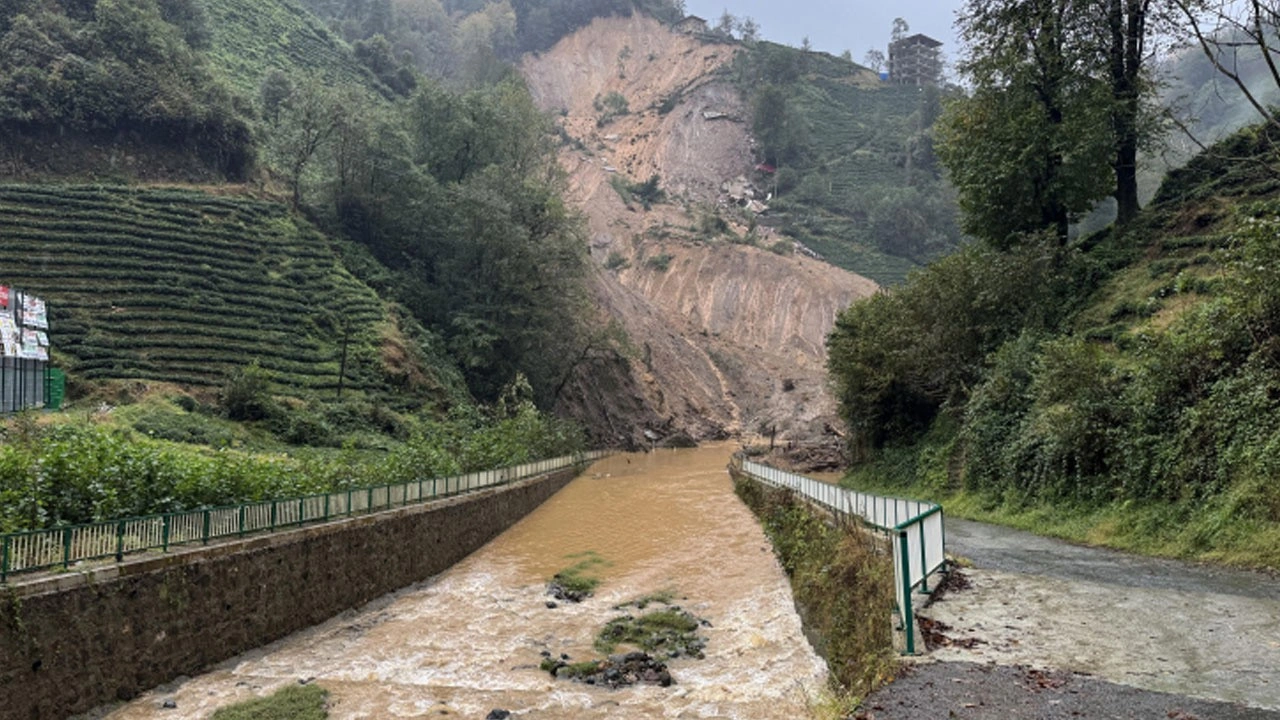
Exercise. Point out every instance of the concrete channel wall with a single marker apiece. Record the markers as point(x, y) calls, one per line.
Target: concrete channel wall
point(73, 641)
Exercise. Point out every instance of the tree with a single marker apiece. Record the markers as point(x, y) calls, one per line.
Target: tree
point(900, 30)
point(1131, 26)
point(875, 60)
point(1071, 45)
point(724, 27)
point(1028, 149)
point(276, 89)
point(307, 120)
point(749, 31)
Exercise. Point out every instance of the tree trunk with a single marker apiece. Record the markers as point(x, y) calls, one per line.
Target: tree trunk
point(1127, 21)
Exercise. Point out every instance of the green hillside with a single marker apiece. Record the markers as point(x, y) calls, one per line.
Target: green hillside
point(186, 287)
point(250, 39)
point(857, 179)
point(1124, 389)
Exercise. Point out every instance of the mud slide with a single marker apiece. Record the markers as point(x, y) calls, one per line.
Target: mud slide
point(726, 336)
point(1047, 629)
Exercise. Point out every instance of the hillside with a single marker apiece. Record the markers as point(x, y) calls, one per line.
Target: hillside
point(857, 180)
point(727, 336)
point(1123, 390)
point(184, 286)
point(251, 39)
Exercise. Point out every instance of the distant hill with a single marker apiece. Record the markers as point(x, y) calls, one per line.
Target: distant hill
point(251, 38)
point(186, 287)
point(856, 176)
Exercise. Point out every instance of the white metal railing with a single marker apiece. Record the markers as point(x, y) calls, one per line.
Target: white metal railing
point(916, 528)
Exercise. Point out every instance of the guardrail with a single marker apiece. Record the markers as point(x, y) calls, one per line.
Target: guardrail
point(916, 528)
point(59, 547)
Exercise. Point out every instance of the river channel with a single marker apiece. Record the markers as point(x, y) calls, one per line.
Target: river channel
point(470, 640)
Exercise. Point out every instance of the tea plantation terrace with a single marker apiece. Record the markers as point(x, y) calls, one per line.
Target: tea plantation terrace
point(184, 286)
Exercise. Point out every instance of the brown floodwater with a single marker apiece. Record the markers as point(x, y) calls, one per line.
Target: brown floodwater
point(469, 640)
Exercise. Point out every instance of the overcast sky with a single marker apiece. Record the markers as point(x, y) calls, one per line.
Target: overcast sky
point(836, 25)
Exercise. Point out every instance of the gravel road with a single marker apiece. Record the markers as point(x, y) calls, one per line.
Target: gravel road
point(1047, 629)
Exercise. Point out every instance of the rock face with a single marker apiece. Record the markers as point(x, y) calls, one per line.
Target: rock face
point(726, 337)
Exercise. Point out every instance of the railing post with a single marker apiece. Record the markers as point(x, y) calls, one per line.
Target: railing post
point(164, 532)
point(908, 621)
point(326, 505)
point(924, 560)
point(241, 513)
point(4, 558)
point(368, 506)
point(204, 531)
point(273, 516)
point(349, 510)
point(301, 514)
point(66, 547)
point(120, 541)
point(434, 494)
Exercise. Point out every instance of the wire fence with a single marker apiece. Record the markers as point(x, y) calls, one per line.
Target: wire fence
point(915, 528)
point(60, 547)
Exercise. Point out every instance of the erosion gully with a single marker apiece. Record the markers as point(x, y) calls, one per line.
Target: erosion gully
point(470, 640)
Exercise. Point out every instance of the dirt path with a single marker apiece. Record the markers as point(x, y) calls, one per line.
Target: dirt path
point(1120, 636)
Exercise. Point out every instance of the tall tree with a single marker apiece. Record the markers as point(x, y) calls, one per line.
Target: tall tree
point(1028, 149)
point(1085, 65)
point(1132, 27)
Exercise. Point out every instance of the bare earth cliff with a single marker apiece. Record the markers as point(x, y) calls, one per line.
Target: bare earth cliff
point(726, 336)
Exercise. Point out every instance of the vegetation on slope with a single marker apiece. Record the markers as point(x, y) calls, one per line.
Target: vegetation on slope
point(842, 580)
point(141, 460)
point(465, 39)
point(1125, 387)
point(856, 180)
point(248, 41)
point(186, 287)
point(123, 72)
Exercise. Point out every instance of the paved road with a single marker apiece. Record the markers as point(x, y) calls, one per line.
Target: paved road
point(1116, 636)
point(999, 548)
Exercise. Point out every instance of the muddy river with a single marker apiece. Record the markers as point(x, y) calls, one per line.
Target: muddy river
point(470, 640)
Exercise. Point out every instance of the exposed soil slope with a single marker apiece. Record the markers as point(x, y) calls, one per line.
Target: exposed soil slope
point(728, 337)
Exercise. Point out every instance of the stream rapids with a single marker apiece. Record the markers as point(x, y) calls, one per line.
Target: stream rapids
point(470, 640)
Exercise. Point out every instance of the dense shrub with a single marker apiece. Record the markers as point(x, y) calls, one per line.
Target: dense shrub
point(84, 472)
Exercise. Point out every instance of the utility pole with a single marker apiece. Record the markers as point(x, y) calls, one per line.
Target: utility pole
point(342, 365)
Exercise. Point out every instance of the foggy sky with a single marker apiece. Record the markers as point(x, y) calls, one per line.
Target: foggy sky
point(836, 25)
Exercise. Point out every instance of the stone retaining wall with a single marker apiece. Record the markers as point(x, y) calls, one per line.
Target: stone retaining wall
point(73, 641)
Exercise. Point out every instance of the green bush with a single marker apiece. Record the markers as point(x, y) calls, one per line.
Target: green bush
point(660, 262)
point(247, 394)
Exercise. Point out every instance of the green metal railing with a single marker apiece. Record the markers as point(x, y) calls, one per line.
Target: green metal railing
point(915, 528)
point(60, 547)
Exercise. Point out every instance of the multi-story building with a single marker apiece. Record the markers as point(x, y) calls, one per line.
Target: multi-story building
point(915, 60)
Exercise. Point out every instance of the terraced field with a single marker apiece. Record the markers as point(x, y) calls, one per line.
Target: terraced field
point(857, 133)
point(184, 286)
point(253, 37)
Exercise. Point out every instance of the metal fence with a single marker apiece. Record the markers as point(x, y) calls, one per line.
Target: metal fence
point(915, 528)
point(60, 547)
point(24, 384)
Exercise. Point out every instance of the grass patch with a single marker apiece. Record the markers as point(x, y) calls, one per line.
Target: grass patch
point(660, 262)
point(1217, 530)
point(579, 580)
point(672, 631)
point(293, 702)
point(842, 580)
